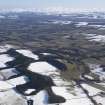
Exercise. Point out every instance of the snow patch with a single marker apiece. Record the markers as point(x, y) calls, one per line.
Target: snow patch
point(5, 58)
point(96, 69)
point(97, 26)
point(28, 91)
point(61, 22)
point(89, 77)
point(100, 100)
point(79, 24)
point(40, 99)
point(42, 68)
point(92, 90)
point(71, 99)
point(7, 73)
point(18, 81)
point(28, 53)
point(46, 53)
point(95, 37)
point(10, 97)
point(5, 86)
point(5, 48)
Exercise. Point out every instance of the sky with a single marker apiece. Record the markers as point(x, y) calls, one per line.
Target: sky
point(53, 4)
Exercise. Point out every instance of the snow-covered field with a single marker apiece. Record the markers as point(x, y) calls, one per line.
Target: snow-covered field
point(95, 37)
point(28, 53)
point(3, 59)
point(97, 70)
point(71, 91)
point(43, 68)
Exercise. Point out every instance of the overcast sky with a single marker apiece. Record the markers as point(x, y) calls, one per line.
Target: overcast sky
point(42, 4)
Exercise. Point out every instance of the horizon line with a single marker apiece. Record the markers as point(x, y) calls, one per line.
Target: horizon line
point(52, 10)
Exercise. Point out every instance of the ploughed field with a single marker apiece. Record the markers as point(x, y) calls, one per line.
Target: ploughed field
point(52, 59)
